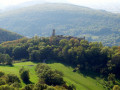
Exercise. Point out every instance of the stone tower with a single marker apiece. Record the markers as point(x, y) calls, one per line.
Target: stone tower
point(53, 34)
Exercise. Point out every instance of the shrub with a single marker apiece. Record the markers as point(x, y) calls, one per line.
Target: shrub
point(41, 68)
point(116, 87)
point(12, 78)
point(50, 88)
point(51, 77)
point(6, 87)
point(16, 85)
point(24, 74)
point(71, 87)
point(2, 82)
point(1, 73)
point(39, 86)
point(28, 87)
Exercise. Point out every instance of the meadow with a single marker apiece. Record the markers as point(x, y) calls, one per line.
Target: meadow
point(80, 81)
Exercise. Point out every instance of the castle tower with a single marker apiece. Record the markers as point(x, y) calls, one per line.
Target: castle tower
point(53, 34)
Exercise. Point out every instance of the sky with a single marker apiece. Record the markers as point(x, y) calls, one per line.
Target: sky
point(98, 4)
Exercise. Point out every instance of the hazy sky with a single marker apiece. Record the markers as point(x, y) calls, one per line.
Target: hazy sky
point(107, 4)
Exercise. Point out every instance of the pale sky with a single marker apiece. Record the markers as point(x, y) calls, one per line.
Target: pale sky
point(100, 4)
point(5, 3)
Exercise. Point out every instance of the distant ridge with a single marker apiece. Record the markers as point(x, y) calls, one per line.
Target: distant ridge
point(67, 19)
point(8, 36)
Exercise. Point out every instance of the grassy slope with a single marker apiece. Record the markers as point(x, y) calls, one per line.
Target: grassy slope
point(81, 82)
point(17, 66)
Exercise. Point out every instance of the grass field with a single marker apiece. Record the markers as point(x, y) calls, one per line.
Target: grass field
point(80, 81)
point(15, 70)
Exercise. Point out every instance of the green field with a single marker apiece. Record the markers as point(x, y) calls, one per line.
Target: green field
point(80, 81)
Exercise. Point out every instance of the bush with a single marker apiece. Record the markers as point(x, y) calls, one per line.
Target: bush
point(16, 85)
point(41, 68)
point(1, 73)
point(2, 82)
point(50, 88)
point(71, 87)
point(39, 86)
point(11, 78)
point(24, 74)
point(51, 77)
point(28, 87)
point(6, 87)
point(116, 87)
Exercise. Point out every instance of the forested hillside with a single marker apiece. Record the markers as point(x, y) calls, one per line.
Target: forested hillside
point(67, 19)
point(8, 36)
point(84, 56)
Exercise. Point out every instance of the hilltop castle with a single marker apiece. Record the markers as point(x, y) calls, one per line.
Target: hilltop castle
point(59, 37)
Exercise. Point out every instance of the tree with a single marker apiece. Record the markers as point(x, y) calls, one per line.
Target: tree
point(35, 55)
point(24, 74)
point(84, 43)
point(11, 78)
point(63, 42)
point(20, 52)
point(8, 59)
point(50, 77)
point(5, 59)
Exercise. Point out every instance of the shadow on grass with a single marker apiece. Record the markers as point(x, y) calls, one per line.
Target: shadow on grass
point(85, 73)
point(28, 82)
point(6, 65)
point(90, 74)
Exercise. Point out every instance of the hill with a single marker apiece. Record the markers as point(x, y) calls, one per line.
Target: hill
point(67, 19)
point(8, 36)
point(83, 56)
point(79, 80)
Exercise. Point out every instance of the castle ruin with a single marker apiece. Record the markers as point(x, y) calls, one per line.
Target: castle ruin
point(59, 37)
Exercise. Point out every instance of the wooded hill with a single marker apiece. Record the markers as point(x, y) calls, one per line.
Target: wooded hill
point(96, 25)
point(82, 55)
point(8, 36)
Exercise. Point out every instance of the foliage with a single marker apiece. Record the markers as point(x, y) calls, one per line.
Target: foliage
point(11, 78)
point(84, 55)
point(51, 77)
point(1, 73)
point(28, 87)
point(5, 59)
point(116, 87)
point(9, 82)
point(6, 87)
point(24, 74)
point(16, 85)
point(39, 86)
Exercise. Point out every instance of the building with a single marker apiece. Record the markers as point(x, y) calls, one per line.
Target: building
point(59, 37)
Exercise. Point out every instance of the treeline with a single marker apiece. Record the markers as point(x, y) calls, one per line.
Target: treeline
point(89, 56)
